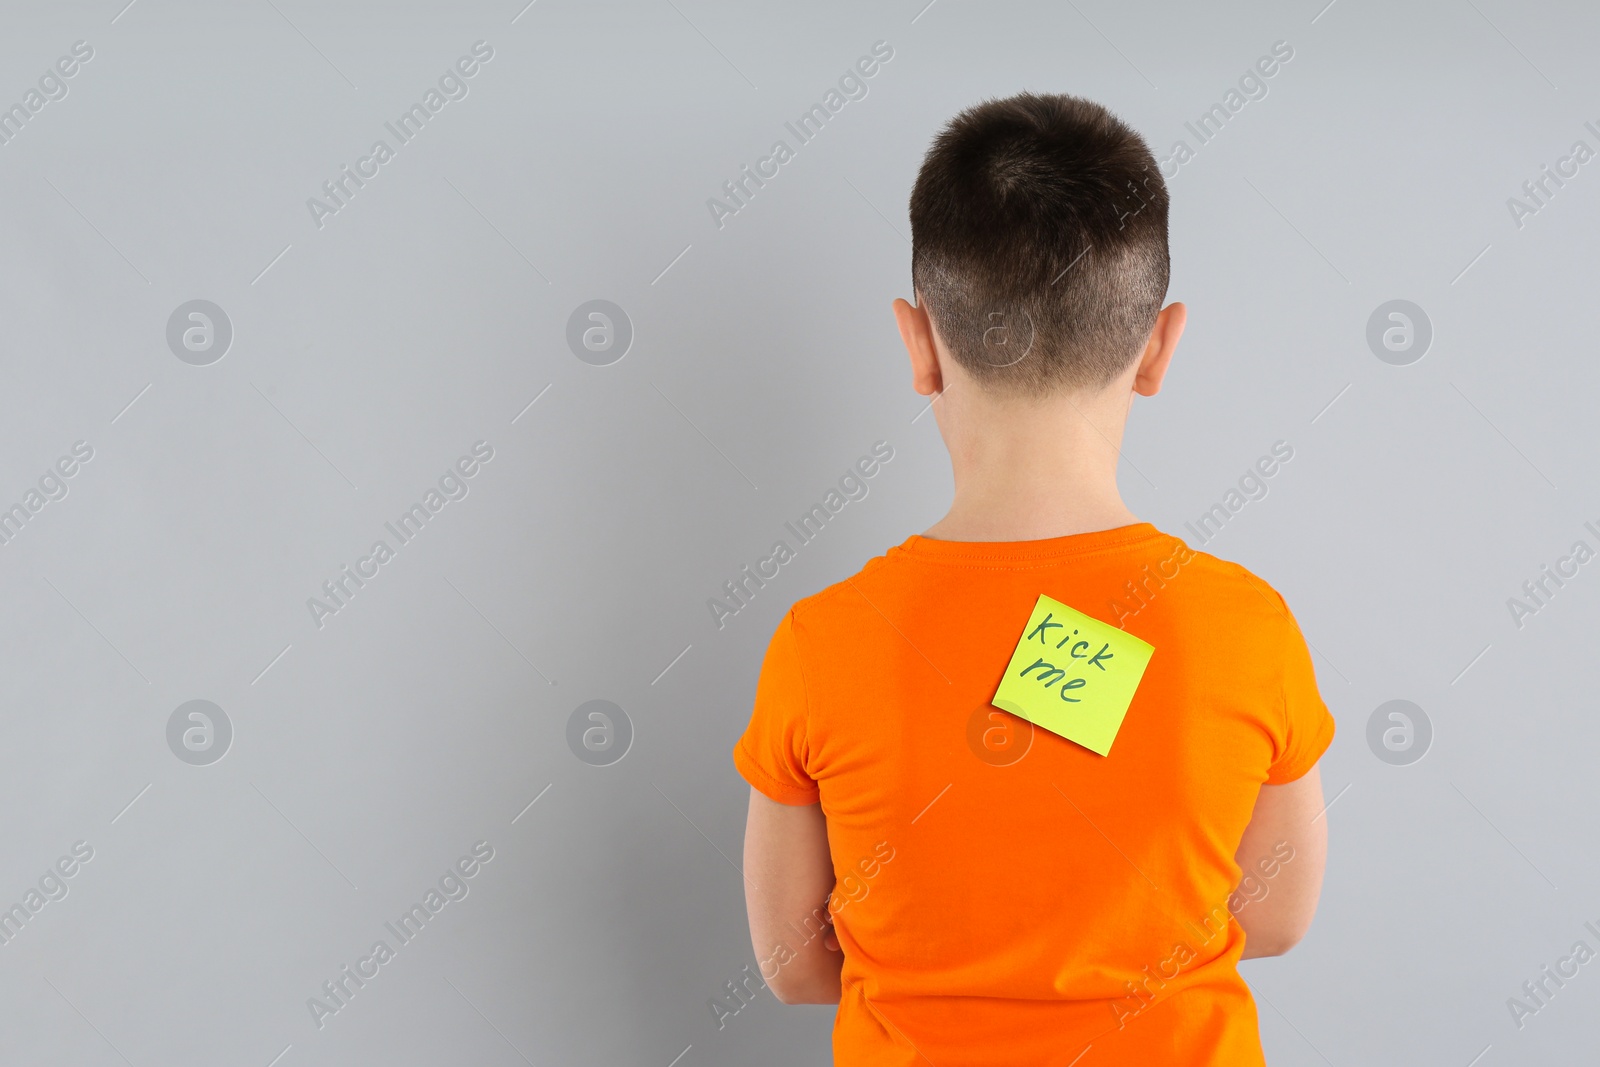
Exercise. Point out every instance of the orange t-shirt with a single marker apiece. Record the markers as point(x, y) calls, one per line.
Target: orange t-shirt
point(1004, 895)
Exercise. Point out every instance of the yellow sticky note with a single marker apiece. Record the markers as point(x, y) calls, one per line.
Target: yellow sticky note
point(1073, 675)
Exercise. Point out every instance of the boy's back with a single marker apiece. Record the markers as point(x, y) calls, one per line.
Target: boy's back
point(1004, 895)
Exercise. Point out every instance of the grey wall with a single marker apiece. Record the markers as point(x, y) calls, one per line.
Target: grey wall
point(372, 347)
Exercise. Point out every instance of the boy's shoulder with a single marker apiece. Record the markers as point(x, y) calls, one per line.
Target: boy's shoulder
point(1228, 572)
point(830, 599)
point(1158, 562)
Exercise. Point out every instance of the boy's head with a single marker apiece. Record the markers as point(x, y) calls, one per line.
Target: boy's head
point(1039, 244)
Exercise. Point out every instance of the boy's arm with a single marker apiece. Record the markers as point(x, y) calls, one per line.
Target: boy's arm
point(788, 879)
point(1282, 855)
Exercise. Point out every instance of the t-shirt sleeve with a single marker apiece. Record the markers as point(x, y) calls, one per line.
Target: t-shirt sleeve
point(1307, 725)
point(773, 752)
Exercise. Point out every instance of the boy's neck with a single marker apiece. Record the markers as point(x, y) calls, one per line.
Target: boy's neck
point(1028, 470)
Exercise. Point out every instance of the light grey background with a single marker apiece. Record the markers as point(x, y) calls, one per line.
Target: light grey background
point(369, 754)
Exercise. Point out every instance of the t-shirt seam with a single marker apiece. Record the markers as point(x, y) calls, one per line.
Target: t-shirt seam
point(753, 763)
point(1287, 623)
point(1032, 563)
point(1283, 699)
point(939, 555)
point(1327, 727)
point(805, 691)
point(1286, 630)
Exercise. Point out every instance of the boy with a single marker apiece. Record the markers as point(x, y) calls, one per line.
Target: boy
point(997, 893)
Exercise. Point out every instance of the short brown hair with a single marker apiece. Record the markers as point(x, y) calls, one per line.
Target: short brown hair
point(1039, 242)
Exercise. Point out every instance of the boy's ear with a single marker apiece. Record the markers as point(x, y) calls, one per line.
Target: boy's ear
point(916, 330)
point(1158, 350)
